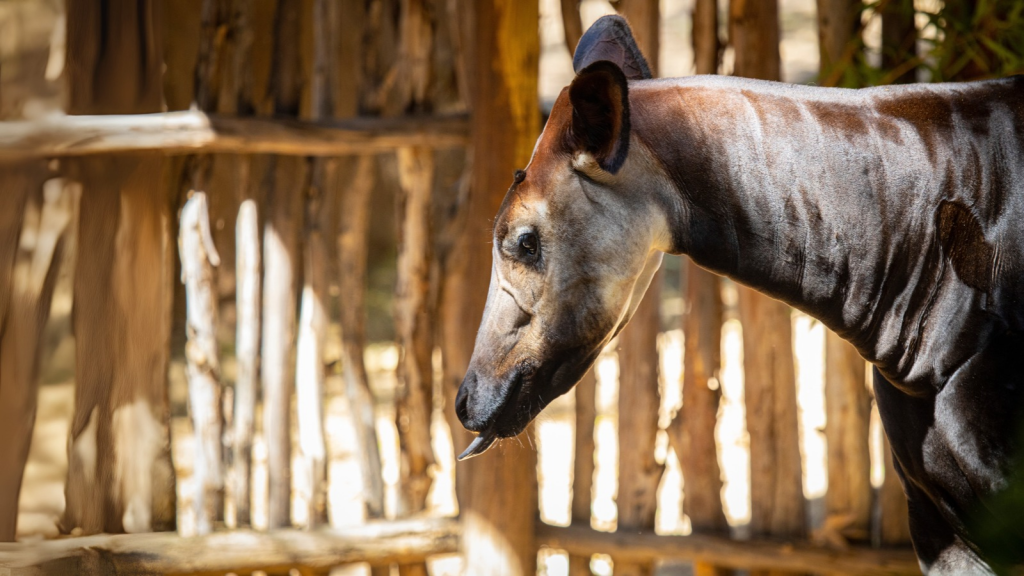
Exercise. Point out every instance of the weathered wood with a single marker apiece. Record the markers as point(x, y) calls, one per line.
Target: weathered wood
point(583, 463)
point(572, 25)
point(899, 41)
point(639, 399)
point(15, 184)
point(776, 492)
point(357, 184)
point(247, 353)
point(692, 431)
point(838, 25)
point(759, 554)
point(199, 256)
point(120, 476)
point(892, 521)
point(639, 472)
point(754, 35)
point(47, 216)
point(281, 262)
point(706, 46)
point(194, 131)
point(497, 490)
point(237, 551)
point(848, 410)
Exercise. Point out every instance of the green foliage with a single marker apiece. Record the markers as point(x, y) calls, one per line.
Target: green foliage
point(964, 40)
point(977, 39)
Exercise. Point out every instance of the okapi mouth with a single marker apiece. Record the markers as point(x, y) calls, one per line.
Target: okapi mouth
point(505, 421)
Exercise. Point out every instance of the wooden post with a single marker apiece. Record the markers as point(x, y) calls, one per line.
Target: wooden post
point(572, 25)
point(414, 307)
point(706, 46)
point(899, 41)
point(281, 265)
point(892, 522)
point(583, 463)
point(497, 490)
point(692, 432)
point(120, 476)
point(639, 399)
point(355, 182)
point(847, 408)
point(30, 276)
point(838, 25)
point(847, 402)
point(776, 492)
point(247, 353)
point(198, 258)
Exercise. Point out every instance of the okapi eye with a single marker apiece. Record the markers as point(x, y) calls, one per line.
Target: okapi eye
point(528, 244)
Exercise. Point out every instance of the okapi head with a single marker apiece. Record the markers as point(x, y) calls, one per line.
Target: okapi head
point(576, 242)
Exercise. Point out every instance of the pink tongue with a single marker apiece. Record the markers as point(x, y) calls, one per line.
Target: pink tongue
point(478, 446)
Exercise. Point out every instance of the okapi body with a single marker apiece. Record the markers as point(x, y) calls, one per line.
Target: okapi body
point(894, 215)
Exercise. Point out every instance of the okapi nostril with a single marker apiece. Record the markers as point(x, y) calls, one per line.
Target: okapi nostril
point(461, 404)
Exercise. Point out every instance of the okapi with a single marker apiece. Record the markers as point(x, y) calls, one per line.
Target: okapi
point(894, 215)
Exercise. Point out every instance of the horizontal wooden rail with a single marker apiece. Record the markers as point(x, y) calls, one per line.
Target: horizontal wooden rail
point(721, 551)
point(193, 131)
point(409, 541)
point(240, 551)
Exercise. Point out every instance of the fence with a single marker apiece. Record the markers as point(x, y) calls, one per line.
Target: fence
point(111, 157)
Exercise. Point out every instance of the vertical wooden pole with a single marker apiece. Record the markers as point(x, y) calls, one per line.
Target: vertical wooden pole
point(119, 474)
point(198, 258)
point(693, 430)
point(414, 309)
point(899, 41)
point(286, 183)
point(313, 318)
point(583, 463)
point(892, 521)
point(848, 410)
point(28, 279)
point(639, 399)
point(776, 493)
point(355, 182)
point(847, 401)
point(572, 25)
point(838, 24)
point(497, 490)
point(247, 351)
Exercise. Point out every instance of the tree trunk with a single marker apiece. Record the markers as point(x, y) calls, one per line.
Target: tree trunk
point(30, 274)
point(899, 41)
point(848, 408)
point(583, 463)
point(754, 35)
point(838, 24)
point(120, 476)
point(497, 490)
point(198, 258)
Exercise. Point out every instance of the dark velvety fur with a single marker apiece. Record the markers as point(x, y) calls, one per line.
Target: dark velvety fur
point(600, 114)
point(611, 39)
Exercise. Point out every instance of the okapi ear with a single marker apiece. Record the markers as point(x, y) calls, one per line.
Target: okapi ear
point(600, 114)
point(611, 39)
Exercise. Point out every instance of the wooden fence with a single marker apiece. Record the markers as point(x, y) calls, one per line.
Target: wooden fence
point(120, 190)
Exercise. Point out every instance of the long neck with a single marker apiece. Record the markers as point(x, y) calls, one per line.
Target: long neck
point(825, 199)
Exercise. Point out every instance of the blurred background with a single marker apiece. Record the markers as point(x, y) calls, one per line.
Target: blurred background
point(244, 248)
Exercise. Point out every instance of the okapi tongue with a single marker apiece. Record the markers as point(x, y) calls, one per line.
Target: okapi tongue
point(478, 446)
